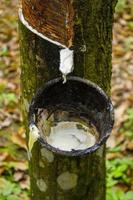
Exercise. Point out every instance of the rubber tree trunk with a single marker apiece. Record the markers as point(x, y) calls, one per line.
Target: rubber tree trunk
point(56, 177)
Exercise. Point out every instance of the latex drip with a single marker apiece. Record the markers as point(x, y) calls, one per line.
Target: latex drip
point(66, 62)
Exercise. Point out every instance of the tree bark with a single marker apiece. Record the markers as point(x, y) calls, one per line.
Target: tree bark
point(56, 177)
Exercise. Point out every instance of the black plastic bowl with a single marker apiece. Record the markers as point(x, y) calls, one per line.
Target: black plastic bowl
point(82, 98)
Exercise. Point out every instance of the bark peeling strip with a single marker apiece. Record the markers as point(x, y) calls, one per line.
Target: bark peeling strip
point(41, 185)
point(67, 180)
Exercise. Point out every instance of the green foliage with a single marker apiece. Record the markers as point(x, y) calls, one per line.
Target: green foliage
point(9, 190)
point(117, 172)
point(120, 6)
point(129, 195)
point(128, 43)
point(119, 195)
point(4, 51)
point(7, 99)
point(127, 128)
point(7, 2)
point(13, 197)
point(114, 150)
point(130, 24)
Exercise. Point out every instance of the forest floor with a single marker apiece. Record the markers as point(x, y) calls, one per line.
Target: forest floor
point(14, 179)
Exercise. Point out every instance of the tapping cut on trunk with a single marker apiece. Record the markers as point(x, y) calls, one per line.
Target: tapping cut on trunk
point(54, 19)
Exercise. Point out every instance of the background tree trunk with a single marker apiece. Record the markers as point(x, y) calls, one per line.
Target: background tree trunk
point(40, 63)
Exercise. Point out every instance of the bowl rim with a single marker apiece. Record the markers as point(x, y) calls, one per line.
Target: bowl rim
point(72, 153)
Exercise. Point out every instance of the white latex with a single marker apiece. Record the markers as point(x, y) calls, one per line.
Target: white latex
point(66, 136)
point(66, 61)
point(33, 136)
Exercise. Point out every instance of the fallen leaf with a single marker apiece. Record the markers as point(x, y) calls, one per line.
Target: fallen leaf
point(3, 156)
point(22, 165)
point(111, 142)
point(6, 123)
point(25, 184)
point(111, 156)
point(2, 169)
point(130, 145)
point(19, 140)
point(18, 175)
